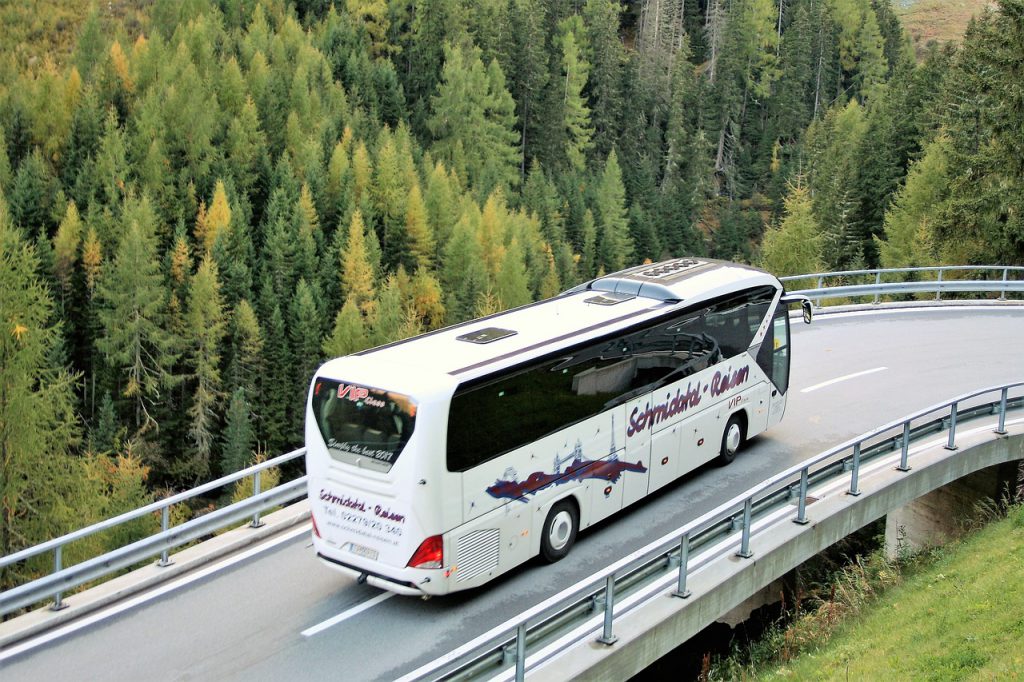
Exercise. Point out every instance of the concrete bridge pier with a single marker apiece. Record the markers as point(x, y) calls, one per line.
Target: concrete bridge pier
point(941, 515)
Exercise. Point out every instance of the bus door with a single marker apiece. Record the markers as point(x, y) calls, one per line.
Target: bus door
point(773, 358)
point(638, 450)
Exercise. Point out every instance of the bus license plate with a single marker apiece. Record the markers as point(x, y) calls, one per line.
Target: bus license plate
point(364, 552)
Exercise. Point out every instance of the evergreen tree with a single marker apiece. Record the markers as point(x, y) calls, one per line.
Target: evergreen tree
point(463, 275)
point(983, 221)
point(614, 247)
point(245, 360)
point(577, 115)
point(357, 280)
point(607, 58)
point(32, 196)
point(38, 479)
point(349, 333)
point(418, 230)
point(133, 308)
point(472, 122)
point(207, 327)
point(794, 246)
point(910, 223)
point(238, 438)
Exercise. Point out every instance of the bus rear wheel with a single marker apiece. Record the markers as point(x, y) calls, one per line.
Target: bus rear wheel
point(559, 531)
point(732, 439)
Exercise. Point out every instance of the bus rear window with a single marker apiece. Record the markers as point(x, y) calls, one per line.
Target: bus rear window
point(363, 426)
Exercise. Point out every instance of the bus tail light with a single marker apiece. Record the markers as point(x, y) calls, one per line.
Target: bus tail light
point(316, 531)
point(430, 554)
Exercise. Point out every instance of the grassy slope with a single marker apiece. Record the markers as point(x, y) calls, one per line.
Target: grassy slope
point(939, 20)
point(960, 618)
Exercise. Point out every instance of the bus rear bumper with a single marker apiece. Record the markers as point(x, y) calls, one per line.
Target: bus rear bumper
point(379, 581)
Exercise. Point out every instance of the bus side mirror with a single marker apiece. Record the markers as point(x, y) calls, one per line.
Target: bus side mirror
point(808, 310)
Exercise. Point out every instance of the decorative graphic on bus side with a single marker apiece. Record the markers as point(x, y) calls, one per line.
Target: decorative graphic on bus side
point(579, 469)
point(721, 382)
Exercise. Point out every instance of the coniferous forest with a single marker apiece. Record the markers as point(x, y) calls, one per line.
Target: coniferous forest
point(202, 200)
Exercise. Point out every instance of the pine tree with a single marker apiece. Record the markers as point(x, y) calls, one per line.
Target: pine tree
point(472, 122)
point(245, 361)
point(419, 231)
point(579, 132)
point(216, 220)
point(511, 283)
point(349, 333)
point(32, 196)
point(615, 248)
point(794, 246)
point(133, 307)
point(207, 327)
point(306, 341)
point(38, 479)
point(463, 275)
point(607, 58)
point(910, 223)
point(238, 437)
point(357, 280)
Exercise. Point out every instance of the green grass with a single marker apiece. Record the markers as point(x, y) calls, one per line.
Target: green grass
point(959, 616)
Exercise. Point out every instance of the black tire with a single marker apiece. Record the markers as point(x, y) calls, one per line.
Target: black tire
point(732, 440)
point(559, 532)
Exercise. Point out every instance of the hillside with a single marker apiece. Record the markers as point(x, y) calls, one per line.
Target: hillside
point(958, 617)
point(940, 20)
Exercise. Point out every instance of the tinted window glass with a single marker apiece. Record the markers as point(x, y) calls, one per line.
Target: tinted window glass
point(362, 425)
point(509, 411)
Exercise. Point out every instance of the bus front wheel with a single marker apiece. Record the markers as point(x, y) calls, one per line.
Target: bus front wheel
point(732, 439)
point(559, 532)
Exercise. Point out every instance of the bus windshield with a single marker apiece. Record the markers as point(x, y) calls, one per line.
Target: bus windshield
point(363, 426)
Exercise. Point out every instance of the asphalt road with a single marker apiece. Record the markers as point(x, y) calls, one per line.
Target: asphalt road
point(246, 621)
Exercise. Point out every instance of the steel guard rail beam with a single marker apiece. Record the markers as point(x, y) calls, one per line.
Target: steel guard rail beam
point(493, 652)
point(68, 581)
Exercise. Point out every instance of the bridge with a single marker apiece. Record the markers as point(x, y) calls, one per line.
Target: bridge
point(254, 602)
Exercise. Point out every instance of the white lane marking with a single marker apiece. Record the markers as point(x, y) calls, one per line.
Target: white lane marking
point(345, 615)
point(141, 599)
point(823, 384)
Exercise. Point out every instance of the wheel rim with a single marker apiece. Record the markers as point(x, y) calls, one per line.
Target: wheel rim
point(560, 531)
point(732, 438)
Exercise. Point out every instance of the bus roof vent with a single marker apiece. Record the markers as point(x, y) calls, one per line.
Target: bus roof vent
point(610, 298)
point(486, 335)
point(671, 268)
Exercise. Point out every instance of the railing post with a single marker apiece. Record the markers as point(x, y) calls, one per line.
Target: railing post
point(256, 523)
point(745, 541)
point(878, 282)
point(58, 599)
point(906, 448)
point(951, 444)
point(801, 505)
point(1002, 413)
point(1002, 293)
point(609, 604)
point(821, 281)
point(938, 290)
point(165, 523)
point(684, 559)
point(854, 490)
point(521, 652)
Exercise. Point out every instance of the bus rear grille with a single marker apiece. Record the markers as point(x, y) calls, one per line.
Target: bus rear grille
point(477, 553)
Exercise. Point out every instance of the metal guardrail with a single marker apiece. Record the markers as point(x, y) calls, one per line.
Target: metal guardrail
point(64, 579)
point(493, 653)
point(939, 283)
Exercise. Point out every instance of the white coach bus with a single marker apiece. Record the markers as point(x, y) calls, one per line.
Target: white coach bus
point(439, 462)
